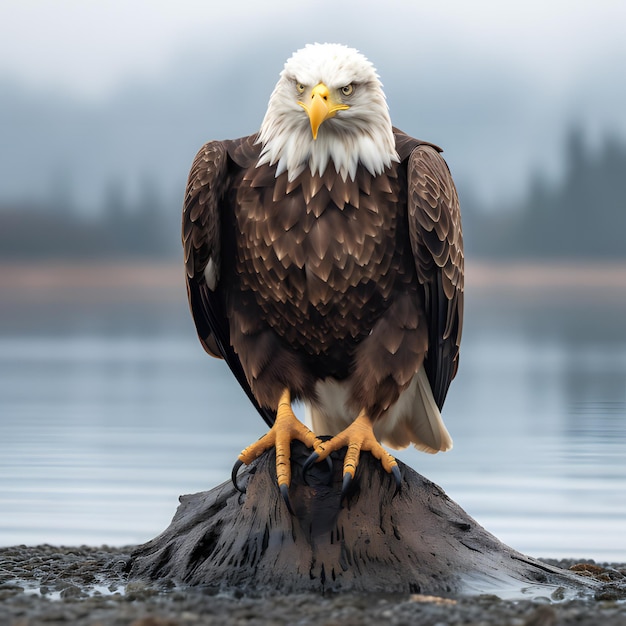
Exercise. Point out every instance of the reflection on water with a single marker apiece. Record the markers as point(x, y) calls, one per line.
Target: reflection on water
point(103, 425)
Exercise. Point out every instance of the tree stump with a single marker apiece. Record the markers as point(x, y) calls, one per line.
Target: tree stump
point(417, 541)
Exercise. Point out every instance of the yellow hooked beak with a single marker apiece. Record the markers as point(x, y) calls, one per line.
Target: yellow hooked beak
point(321, 107)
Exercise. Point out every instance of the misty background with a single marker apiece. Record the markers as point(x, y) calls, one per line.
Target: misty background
point(109, 408)
point(104, 105)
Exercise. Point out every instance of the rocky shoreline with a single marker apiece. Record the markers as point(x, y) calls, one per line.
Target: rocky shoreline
point(89, 586)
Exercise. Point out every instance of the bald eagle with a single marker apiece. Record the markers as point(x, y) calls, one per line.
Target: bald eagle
point(324, 263)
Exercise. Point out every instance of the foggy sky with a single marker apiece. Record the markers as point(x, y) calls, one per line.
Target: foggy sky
point(92, 47)
point(116, 89)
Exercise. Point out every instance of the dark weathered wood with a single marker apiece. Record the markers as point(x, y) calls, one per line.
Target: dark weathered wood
point(419, 541)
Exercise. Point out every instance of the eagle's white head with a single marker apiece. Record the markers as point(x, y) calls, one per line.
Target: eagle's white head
point(328, 106)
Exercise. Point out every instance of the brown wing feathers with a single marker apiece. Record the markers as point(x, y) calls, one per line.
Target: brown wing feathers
point(202, 240)
point(437, 242)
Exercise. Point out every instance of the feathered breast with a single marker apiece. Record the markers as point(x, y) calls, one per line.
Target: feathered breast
point(321, 250)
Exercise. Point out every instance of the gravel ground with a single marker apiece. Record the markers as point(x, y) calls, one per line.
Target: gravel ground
point(88, 586)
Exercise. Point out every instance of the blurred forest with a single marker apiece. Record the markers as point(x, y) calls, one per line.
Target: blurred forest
point(581, 215)
point(95, 146)
point(146, 228)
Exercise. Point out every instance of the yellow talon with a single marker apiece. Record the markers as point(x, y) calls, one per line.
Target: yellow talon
point(285, 429)
point(358, 436)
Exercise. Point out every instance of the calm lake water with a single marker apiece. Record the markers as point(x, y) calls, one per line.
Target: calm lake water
point(109, 410)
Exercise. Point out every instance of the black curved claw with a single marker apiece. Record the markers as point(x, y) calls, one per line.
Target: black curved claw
point(284, 492)
point(345, 485)
point(310, 460)
point(395, 470)
point(233, 476)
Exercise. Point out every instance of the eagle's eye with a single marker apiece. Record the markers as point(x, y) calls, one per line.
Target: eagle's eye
point(300, 87)
point(347, 90)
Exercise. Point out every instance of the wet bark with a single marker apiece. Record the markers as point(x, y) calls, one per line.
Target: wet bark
point(418, 541)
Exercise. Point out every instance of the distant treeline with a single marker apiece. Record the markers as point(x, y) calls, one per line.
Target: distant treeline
point(148, 228)
point(583, 215)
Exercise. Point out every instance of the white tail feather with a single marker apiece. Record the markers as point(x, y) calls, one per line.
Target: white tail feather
point(414, 418)
point(431, 433)
point(329, 415)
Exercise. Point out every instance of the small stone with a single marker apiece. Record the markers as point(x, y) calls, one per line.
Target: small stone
point(72, 591)
point(543, 616)
point(7, 590)
point(558, 594)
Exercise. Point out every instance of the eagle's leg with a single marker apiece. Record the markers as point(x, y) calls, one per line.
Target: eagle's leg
point(358, 436)
point(285, 429)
